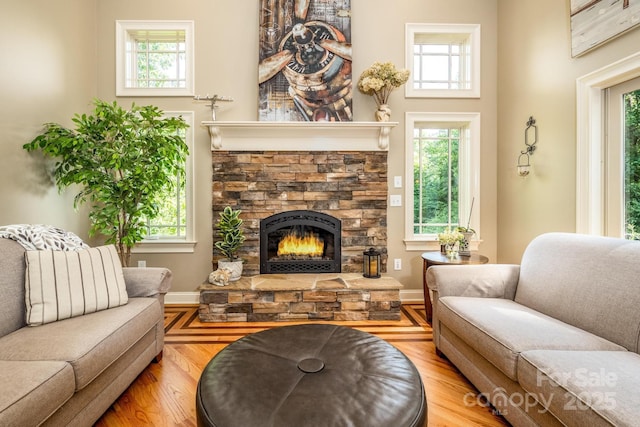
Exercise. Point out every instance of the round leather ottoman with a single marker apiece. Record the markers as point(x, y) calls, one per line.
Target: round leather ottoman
point(310, 375)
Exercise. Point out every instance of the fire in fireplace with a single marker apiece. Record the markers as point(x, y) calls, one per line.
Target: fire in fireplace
point(300, 241)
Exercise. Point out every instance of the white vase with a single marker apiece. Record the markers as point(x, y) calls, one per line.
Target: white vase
point(465, 244)
point(235, 267)
point(383, 113)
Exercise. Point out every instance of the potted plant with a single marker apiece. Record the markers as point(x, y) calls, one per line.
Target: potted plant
point(379, 81)
point(122, 160)
point(229, 227)
point(467, 234)
point(448, 240)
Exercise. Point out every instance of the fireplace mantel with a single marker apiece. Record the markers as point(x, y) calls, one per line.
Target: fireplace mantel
point(296, 136)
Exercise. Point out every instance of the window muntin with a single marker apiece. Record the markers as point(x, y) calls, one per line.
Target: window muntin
point(444, 60)
point(443, 164)
point(154, 58)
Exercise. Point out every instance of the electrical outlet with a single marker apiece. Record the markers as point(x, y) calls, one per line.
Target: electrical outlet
point(142, 263)
point(395, 200)
point(397, 264)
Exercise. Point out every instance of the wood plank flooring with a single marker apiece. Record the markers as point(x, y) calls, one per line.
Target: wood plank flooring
point(164, 394)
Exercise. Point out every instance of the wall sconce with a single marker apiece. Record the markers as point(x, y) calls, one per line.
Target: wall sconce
point(371, 264)
point(530, 140)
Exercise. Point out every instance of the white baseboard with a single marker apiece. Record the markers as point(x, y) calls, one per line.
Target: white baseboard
point(411, 296)
point(182, 298)
point(406, 296)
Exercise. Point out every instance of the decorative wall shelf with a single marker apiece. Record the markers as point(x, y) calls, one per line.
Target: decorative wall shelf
point(299, 136)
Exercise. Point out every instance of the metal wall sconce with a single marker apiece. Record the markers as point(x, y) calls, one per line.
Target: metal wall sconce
point(371, 264)
point(530, 140)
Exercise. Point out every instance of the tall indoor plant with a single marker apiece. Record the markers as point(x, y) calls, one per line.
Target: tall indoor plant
point(232, 237)
point(122, 160)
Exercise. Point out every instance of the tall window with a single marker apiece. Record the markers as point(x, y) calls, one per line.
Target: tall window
point(154, 58)
point(444, 60)
point(442, 175)
point(435, 177)
point(593, 196)
point(632, 164)
point(623, 160)
point(173, 229)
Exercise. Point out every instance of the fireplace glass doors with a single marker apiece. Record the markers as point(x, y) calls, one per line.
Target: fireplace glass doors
point(300, 241)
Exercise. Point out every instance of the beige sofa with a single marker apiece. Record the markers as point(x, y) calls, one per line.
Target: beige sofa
point(552, 341)
point(68, 372)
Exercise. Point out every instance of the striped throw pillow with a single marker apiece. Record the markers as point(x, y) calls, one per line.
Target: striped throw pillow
point(60, 284)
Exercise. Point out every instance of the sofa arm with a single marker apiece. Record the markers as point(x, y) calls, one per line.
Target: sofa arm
point(147, 281)
point(487, 280)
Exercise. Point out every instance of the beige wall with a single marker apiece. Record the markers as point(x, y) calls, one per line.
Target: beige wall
point(226, 64)
point(537, 77)
point(59, 62)
point(47, 74)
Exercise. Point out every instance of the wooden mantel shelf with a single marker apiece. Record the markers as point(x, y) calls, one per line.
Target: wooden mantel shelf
point(299, 136)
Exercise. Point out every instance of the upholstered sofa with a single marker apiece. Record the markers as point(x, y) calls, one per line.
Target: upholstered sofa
point(552, 341)
point(68, 372)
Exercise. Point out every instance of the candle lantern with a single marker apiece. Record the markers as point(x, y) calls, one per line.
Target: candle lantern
point(371, 264)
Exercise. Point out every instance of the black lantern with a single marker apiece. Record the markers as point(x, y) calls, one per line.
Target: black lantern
point(371, 264)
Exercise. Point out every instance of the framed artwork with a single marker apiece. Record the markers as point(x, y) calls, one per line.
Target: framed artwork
point(304, 70)
point(594, 22)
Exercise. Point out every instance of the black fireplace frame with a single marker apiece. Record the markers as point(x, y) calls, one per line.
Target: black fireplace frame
point(328, 223)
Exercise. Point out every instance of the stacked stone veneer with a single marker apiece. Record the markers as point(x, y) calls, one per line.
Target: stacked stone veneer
point(293, 297)
point(351, 186)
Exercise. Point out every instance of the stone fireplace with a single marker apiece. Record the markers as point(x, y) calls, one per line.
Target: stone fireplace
point(348, 186)
point(322, 182)
point(335, 168)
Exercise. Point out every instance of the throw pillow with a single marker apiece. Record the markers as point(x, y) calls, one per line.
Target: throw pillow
point(60, 284)
point(35, 237)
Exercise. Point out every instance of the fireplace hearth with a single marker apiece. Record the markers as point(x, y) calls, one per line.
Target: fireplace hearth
point(300, 241)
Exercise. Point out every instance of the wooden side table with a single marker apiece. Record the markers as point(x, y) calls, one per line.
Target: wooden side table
point(438, 258)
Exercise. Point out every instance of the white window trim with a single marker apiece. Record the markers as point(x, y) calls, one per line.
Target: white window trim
point(122, 28)
point(186, 245)
point(590, 137)
point(472, 176)
point(473, 30)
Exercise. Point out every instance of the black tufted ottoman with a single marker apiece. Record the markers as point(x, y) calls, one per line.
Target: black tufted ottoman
point(310, 375)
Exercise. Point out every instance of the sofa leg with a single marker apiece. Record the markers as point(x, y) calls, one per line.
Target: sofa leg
point(158, 357)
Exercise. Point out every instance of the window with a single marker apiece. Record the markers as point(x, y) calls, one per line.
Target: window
point(443, 155)
point(154, 58)
point(172, 230)
point(591, 188)
point(623, 160)
point(444, 60)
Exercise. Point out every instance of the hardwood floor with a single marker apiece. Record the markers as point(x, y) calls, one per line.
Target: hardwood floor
point(164, 394)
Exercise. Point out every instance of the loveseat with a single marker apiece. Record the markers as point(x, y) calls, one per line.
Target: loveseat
point(68, 372)
point(552, 341)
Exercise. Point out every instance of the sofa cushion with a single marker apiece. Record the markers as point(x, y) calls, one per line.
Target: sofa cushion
point(501, 329)
point(32, 391)
point(60, 285)
point(590, 282)
point(12, 313)
point(90, 343)
point(584, 388)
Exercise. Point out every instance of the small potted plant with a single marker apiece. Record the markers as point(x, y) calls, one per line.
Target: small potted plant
point(467, 234)
point(229, 227)
point(449, 239)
